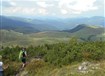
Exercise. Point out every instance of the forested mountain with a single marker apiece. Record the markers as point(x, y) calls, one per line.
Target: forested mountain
point(22, 25)
point(82, 32)
point(69, 23)
point(16, 25)
point(47, 24)
point(13, 30)
point(95, 20)
point(87, 32)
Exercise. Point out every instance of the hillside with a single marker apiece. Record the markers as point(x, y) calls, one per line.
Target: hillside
point(47, 24)
point(24, 25)
point(69, 23)
point(95, 20)
point(61, 59)
point(51, 34)
point(16, 25)
point(42, 25)
point(87, 32)
point(12, 38)
point(82, 32)
point(94, 68)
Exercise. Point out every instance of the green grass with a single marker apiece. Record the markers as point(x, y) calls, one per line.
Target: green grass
point(40, 68)
point(9, 38)
point(51, 34)
point(12, 38)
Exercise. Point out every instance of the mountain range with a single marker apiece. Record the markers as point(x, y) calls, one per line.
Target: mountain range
point(87, 32)
point(82, 32)
point(25, 25)
point(24, 31)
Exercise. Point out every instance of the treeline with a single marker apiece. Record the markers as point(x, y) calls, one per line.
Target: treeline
point(60, 53)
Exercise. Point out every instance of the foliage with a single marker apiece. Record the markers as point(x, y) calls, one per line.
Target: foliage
point(58, 54)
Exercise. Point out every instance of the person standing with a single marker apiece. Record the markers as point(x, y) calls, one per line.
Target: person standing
point(1, 66)
point(22, 56)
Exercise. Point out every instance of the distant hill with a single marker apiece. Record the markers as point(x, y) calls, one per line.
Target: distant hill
point(47, 24)
point(69, 23)
point(87, 32)
point(96, 20)
point(9, 38)
point(79, 27)
point(40, 24)
point(23, 25)
point(16, 25)
point(22, 31)
point(82, 32)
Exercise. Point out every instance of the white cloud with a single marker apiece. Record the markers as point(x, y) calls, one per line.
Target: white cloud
point(42, 11)
point(50, 7)
point(77, 6)
point(8, 4)
point(26, 11)
point(30, 11)
point(12, 3)
point(63, 11)
point(44, 4)
point(21, 10)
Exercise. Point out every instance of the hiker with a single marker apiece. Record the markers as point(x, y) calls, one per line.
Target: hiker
point(22, 56)
point(1, 66)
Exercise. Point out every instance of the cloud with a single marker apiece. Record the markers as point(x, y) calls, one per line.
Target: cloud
point(63, 11)
point(42, 11)
point(8, 3)
point(12, 3)
point(44, 4)
point(26, 11)
point(77, 6)
point(49, 7)
point(20, 10)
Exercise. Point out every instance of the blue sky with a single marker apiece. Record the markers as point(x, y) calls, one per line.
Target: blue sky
point(52, 8)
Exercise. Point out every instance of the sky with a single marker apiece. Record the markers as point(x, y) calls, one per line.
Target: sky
point(52, 8)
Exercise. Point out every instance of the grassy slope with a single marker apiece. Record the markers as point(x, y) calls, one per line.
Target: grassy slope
point(9, 38)
point(51, 34)
point(89, 33)
point(40, 68)
point(15, 38)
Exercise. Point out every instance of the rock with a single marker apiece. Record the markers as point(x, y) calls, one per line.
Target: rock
point(86, 67)
point(83, 66)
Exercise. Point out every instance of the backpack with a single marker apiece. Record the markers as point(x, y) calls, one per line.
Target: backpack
point(23, 54)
